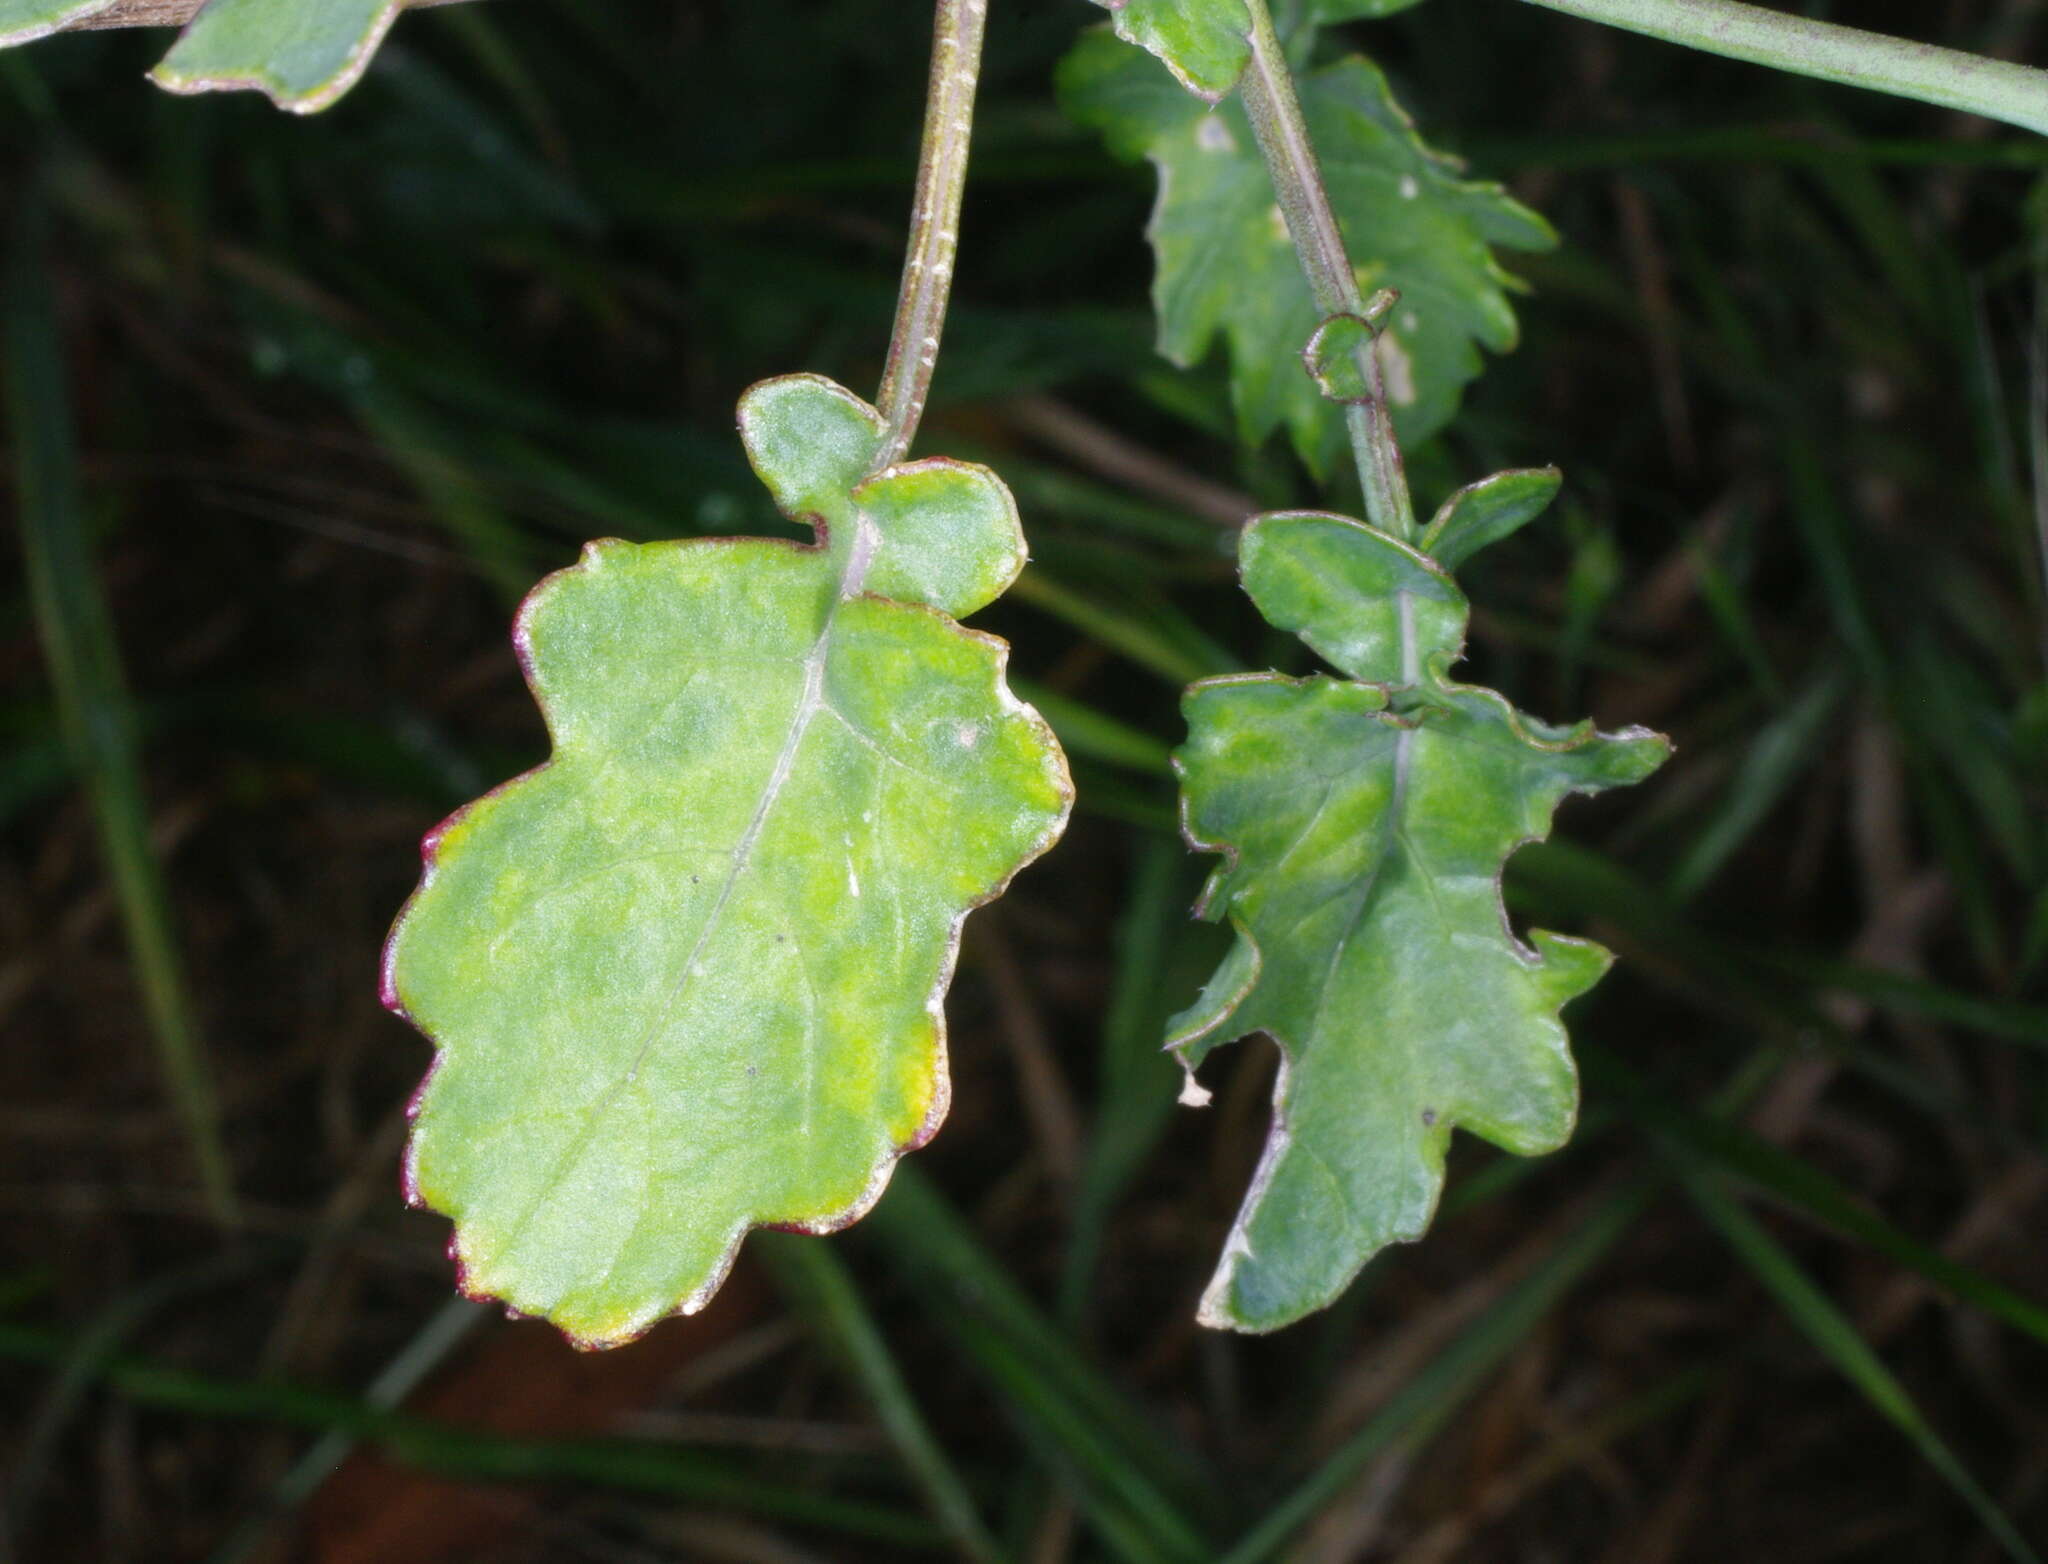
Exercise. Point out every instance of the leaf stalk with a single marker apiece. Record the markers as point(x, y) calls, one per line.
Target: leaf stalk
point(934, 222)
point(1275, 112)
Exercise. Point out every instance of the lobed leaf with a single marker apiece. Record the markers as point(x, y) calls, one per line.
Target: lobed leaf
point(1365, 823)
point(1225, 267)
point(303, 57)
point(686, 978)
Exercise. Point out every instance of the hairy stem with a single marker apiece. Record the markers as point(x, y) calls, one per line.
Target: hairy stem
point(934, 222)
point(1277, 121)
point(1997, 89)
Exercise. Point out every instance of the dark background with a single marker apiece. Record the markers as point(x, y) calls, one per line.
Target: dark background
point(344, 387)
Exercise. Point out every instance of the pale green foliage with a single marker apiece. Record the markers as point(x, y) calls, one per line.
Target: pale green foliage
point(1365, 823)
point(686, 979)
point(1203, 42)
point(24, 21)
point(302, 56)
point(1225, 265)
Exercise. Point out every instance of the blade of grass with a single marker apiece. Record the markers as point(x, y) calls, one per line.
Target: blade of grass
point(1084, 731)
point(1837, 1340)
point(1723, 599)
point(86, 1357)
point(1137, 1488)
point(446, 1330)
point(1568, 1449)
point(817, 1283)
point(1997, 89)
point(98, 719)
point(458, 502)
point(1114, 796)
point(1906, 995)
point(1803, 1189)
point(637, 1466)
point(1432, 1396)
point(1562, 880)
point(2037, 398)
point(1777, 758)
point(1153, 647)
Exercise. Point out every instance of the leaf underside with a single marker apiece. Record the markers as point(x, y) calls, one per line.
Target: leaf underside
point(1365, 822)
point(685, 979)
point(1225, 266)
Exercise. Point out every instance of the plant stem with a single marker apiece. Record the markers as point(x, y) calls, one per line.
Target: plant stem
point(1277, 121)
point(1996, 89)
point(934, 222)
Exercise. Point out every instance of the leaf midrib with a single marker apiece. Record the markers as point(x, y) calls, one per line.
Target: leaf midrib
point(810, 703)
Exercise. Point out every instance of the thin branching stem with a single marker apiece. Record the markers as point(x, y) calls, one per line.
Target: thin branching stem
point(1275, 112)
point(934, 222)
point(1996, 89)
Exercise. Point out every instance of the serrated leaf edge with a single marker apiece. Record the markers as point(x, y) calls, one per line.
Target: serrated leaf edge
point(942, 1083)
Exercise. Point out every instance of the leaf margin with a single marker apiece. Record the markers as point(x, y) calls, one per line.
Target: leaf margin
point(1196, 1028)
point(437, 840)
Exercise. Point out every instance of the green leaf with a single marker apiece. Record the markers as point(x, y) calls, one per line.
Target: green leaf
point(1483, 513)
point(24, 21)
point(1205, 43)
point(301, 56)
point(1365, 824)
point(686, 978)
point(1224, 266)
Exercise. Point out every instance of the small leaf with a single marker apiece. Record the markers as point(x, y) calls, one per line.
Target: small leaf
point(302, 56)
point(686, 978)
point(24, 21)
point(1334, 357)
point(1364, 827)
point(1224, 265)
point(1205, 43)
point(1483, 513)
